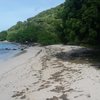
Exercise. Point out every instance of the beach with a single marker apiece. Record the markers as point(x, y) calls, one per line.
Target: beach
point(41, 73)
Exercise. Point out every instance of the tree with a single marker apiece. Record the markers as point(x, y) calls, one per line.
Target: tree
point(3, 35)
point(82, 19)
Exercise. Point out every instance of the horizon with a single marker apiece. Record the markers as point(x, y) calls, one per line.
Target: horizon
point(14, 11)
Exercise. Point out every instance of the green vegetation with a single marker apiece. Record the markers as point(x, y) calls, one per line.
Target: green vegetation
point(74, 22)
point(3, 35)
point(41, 28)
point(81, 21)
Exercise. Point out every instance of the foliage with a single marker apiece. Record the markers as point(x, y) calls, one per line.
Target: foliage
point(75, 21)
point(82, 19)
point(3, 35)
point(42, 28)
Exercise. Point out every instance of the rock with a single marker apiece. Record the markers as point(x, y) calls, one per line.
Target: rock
point(22, 49)
point(7, 49)
point(14, 49)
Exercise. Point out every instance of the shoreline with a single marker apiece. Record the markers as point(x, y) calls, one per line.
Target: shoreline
point(39, 74)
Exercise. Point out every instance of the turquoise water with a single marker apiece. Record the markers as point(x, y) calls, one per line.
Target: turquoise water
point(8, 50)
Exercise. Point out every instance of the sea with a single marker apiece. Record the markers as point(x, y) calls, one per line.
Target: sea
point(8, 50)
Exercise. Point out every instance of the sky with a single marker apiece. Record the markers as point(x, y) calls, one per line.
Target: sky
point(12, 11)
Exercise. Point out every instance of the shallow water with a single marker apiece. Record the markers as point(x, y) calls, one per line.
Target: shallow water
point(8, 50)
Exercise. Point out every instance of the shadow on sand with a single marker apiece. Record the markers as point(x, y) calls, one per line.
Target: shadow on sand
point(81, 56)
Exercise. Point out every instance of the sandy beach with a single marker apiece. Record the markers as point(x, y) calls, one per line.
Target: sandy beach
point(40, 74)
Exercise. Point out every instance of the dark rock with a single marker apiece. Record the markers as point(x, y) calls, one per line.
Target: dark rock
point(7, 49)
point(14, 49)
point(22, 49)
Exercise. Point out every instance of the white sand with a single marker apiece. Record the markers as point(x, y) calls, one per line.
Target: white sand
point(37, 75)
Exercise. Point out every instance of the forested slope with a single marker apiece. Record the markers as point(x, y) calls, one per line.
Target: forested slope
point(81, 21)
point(75, 22)
point(41, 28)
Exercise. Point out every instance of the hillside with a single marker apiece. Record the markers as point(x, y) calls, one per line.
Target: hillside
point(74, 22)
point(41, 28)
point(81, 21)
